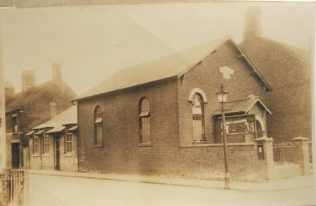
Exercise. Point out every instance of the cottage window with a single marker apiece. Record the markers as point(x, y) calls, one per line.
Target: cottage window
point(144, 121)
point(46, 144)
point(36, 145)
point(198, 117)
point(14, 124)
point(68, 143)
point(98, 129)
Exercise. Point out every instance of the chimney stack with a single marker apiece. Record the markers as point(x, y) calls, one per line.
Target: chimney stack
point(28, 79)
point(52, 108)
point(57, 75)
point(9, 90)
point(252, 27)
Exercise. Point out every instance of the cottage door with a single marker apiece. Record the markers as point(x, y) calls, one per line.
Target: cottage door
point(15, 152)
point(57, 153)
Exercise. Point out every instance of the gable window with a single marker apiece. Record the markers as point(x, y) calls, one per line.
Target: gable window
point(144, 121)
point(46, 144)
point(198, 118)
point(14, 123)
point(36, 145)
point(68, 143)
point(98, 129)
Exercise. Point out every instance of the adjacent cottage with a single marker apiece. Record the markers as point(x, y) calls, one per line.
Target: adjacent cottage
point(53, 144)
point(161, 117)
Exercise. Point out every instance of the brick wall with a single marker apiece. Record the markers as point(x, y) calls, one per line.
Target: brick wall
point(121, 151)
point(207, 161)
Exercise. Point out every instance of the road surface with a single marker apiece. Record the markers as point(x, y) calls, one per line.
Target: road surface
point(48, 190)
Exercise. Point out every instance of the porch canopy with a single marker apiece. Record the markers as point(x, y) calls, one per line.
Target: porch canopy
point(245, 120)
point(243, 106)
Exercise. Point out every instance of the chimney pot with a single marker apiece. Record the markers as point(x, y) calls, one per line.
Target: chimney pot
point(53, 108)
point(28, 79)
point(57, 75)
point(252, 28)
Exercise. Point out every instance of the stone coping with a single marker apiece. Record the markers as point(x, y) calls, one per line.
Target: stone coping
point(217, 145)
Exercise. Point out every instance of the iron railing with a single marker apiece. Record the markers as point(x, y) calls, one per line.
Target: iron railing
point(284, 153)
point(14, 187)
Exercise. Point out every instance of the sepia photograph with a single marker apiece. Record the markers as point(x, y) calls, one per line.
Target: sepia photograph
point(166, 103)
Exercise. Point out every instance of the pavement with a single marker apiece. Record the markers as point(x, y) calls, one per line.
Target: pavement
point(299, 182)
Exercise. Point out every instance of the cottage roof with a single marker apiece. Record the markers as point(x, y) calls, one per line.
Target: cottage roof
point(56, 129)
point(33, 103)
point(243, 106)
point(173, 65)
point(65, 118)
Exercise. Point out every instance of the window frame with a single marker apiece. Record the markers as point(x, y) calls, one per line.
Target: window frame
point(98, 125)
point(67, 141)
point(201, 116)
point(15, 127)
point(46, 144)
point(144, 114)
point(36, 145)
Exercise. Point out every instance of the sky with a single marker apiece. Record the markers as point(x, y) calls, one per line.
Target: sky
point(93, 42)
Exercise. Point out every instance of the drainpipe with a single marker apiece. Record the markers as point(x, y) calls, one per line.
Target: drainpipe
point(40, 143)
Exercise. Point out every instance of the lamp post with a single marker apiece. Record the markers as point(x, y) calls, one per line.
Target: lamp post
point(222, 98)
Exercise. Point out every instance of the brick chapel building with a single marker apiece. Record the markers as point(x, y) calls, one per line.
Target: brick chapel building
point(161, 117)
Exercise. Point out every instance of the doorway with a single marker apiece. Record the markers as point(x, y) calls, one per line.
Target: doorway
point(57, 153)
point(259, 129)
point(15, 154)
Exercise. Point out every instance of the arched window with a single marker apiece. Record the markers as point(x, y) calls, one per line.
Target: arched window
point(98, 129)
point(198, 117)
point(144, 121)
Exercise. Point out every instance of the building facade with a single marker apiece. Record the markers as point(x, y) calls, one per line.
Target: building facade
point(53, 144)
point(163, 121)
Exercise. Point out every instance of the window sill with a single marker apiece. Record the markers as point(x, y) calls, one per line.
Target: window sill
point(200, 142)
point(98, 146)
point(46, 155)
point(144, 144)
point(69, 155)
point(35, 155)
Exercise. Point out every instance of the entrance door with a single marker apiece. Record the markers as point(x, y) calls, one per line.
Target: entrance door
point(15, 153)
point(259, 129)
point(57, 154)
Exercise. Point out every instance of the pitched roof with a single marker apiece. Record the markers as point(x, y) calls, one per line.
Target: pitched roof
point(273, 59)
point(67, 117)
point(34, 102)
point(42, 92)
point(165, 67)
point(243, 106)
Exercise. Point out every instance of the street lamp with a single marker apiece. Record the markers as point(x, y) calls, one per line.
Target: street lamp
point(222, 98)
